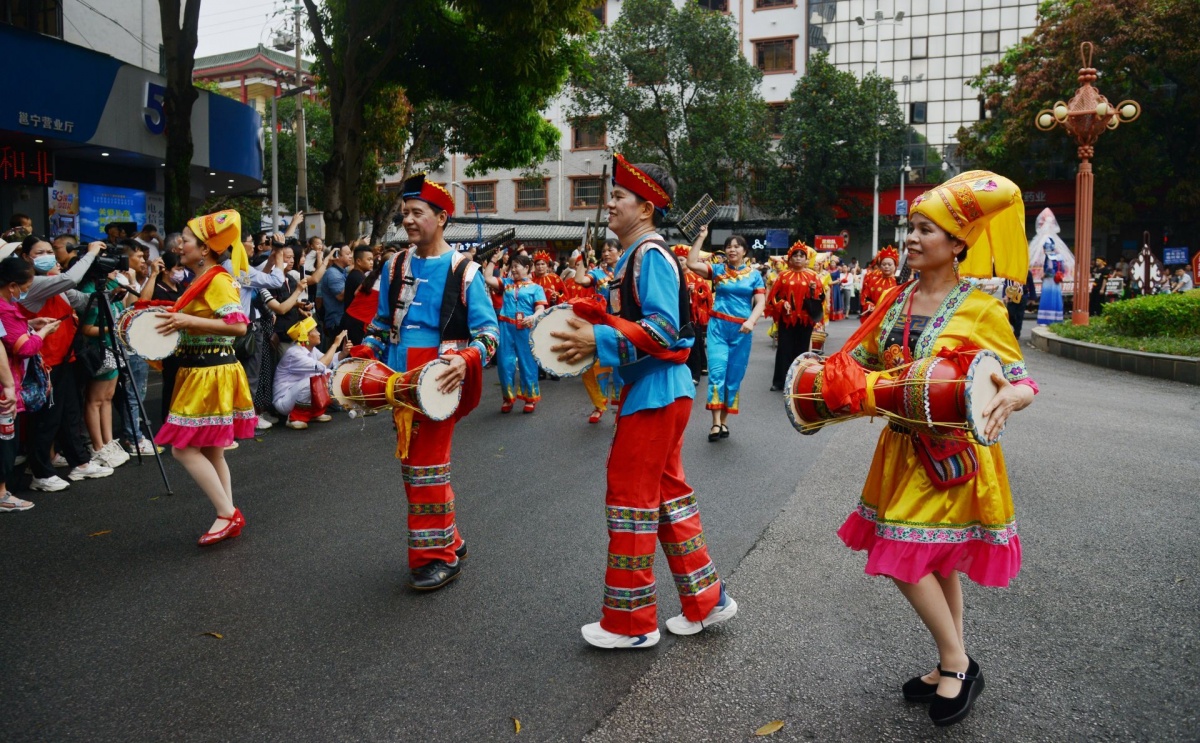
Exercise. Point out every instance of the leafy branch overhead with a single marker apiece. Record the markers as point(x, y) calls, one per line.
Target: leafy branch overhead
point(1145, 50)
point(408, 79)
point(670, 85)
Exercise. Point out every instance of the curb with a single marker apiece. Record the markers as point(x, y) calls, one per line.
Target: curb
point(1184, 369)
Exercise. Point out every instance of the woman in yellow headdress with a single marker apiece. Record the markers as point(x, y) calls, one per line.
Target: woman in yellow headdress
point(921, 524)
point(211, 404)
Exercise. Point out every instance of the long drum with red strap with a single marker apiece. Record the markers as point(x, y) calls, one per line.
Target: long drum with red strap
point(929, 395)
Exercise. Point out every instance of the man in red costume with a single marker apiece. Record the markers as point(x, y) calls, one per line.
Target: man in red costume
point(433, 304)
point(647, 339)
point(795, 302)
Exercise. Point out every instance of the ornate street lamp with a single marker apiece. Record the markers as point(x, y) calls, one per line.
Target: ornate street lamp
point(1085, 117)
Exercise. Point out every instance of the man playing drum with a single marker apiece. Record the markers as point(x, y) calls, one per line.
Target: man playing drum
point(647, 339)
point(433, 303)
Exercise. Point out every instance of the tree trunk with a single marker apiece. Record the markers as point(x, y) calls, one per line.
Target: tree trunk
point(179, 46)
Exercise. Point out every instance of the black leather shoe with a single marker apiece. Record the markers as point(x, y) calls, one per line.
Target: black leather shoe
point(461, 552)
point(917, 690)
point(433, 576)
point(776, 388)
point(949, 710)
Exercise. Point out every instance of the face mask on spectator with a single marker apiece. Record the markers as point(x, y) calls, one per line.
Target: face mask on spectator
point(178, 275)
point(45, 263)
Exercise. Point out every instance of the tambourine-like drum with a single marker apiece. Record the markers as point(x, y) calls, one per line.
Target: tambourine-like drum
point(554, 320)
point(929, 395)
point(366, 384)
point(138, 331)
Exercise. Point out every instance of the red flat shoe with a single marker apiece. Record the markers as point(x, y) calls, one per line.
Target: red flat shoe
point(530, 407)
point(231, 530)
point(506, 407)
point(596, 416)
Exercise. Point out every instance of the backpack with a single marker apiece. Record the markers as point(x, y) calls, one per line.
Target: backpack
point(36, 390)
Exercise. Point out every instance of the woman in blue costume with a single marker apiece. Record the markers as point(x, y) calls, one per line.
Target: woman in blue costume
point(523, 302)
point(1050, 307)
point(739, 296)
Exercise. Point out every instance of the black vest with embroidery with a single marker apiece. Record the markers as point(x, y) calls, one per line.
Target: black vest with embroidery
point(631, 309)
point(452, 321)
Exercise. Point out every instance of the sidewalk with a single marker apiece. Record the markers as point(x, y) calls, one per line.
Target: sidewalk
point(1095, 640)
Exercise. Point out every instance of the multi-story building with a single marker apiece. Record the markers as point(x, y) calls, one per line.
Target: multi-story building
point(82, 125)
point(930, 55)
point(771, 34)
point(253, 76)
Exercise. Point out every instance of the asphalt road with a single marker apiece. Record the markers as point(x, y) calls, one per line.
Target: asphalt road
point(1096, 639)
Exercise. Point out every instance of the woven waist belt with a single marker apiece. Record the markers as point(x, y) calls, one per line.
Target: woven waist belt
point(194, 359)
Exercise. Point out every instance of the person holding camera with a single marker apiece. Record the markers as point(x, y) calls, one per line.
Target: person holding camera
point(22, 341)
point(102, 384)
point(52, 296)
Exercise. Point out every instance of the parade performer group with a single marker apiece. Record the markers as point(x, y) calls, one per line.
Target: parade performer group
point(524, 300)
point(739, 297)
point(648, 500)
point(922, 525)
point(795, 303)
point(211, 404)
point(433, 303)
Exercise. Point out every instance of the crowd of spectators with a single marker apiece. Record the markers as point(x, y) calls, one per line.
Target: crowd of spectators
point(75, 415)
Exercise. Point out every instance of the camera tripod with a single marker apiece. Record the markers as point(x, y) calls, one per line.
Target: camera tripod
point(108, 331)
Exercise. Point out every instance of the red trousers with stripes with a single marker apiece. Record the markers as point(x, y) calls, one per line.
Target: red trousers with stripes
point(648, 502)
point(432, 533)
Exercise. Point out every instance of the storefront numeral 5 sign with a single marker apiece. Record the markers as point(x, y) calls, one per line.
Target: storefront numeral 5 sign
point(152, 114)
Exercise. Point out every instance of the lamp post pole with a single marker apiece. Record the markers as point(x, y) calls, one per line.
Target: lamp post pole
point(301, 138)
point(878, 20)
point(1085, 117)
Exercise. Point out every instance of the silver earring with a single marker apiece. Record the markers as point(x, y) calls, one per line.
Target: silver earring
point(201, 264)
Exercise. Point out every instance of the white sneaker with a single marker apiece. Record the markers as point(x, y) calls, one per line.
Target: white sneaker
point(602, 638)
point(263, 424)
point(324, 418)
point(146, 447)
point(89, 470)
point(297, 425)
point(59, 461)
point(110, 455)
point(268, 417)
point(725, 609)
point(51, 484)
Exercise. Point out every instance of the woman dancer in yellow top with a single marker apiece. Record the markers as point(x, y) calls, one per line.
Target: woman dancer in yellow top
point(211, 403)
point(918, 526)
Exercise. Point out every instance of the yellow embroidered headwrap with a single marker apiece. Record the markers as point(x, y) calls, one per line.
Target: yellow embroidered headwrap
point(299, 332)
point(222, 231)
point(987, 212)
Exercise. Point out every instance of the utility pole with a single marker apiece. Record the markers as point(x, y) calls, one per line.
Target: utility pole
point(301, 137)
point(879, 18)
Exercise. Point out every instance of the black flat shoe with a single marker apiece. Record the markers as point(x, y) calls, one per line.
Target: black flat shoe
point(949, 710)
point(917, 690)
point(776, 389)
point(433, 576)
point(724, 431)
point(461, 552)
point(714, 436)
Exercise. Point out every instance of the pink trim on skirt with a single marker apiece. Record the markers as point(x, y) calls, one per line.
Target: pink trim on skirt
point(173, 434)
point(986, 564)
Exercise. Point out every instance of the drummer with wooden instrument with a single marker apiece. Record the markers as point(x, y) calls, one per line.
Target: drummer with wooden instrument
point(937, 506)
point(647, 339)
point(433, 303)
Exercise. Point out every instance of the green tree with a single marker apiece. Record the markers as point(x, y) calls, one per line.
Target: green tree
point(831, 131)
point(1145, 50)
point(693, 105)
point(496, 64)
point(318, 130)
